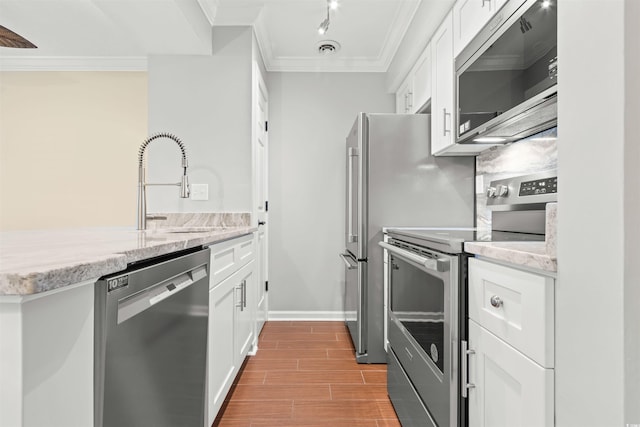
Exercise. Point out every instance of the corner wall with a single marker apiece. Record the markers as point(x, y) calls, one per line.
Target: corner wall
point(310, 115)
point(68, 146)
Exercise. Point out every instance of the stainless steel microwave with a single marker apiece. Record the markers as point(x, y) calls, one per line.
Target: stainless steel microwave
point(506, 78)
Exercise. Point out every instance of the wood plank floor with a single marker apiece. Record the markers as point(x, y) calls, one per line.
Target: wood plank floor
point(305, 375)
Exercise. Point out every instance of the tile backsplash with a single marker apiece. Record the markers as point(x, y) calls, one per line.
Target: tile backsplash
point(534, 154)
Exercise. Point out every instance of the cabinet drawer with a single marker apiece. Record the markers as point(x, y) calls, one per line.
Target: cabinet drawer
point(515, 305)
point(229, 256)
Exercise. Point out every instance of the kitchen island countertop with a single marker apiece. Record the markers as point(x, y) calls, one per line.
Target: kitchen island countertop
point(526, 254)
point(37, 261)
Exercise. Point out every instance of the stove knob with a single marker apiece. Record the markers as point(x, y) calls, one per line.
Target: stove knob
point(502, 190)
point(491, 192)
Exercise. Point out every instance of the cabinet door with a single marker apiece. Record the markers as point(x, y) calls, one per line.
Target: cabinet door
point(403, 97)
point(510, 389)
point(442, 91)
point(222, 360)
point(245, 311)
point(421, 91)
point(469, 16)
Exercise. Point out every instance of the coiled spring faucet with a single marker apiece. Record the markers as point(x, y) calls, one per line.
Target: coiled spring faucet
point(142, 185)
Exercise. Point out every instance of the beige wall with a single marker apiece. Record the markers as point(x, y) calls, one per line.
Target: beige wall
point(68, 146)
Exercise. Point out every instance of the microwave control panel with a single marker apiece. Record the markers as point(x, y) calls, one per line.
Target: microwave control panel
point(539, 186)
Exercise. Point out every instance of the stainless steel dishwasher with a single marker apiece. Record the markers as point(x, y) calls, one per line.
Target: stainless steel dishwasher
point(151, 343)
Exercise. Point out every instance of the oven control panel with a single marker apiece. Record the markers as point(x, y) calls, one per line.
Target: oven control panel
point(523, 192)
point(539, 186)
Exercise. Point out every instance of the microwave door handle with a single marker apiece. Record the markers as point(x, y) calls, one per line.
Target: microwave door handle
point(439, 265)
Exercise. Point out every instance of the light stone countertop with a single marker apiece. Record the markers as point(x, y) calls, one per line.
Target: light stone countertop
point(526, 254)
point(36, 261)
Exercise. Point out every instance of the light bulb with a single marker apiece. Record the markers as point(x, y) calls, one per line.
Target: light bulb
point(546, 4)
point(333, 4)
point(324, 26)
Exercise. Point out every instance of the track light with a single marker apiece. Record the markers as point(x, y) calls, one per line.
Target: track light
point(324, 25)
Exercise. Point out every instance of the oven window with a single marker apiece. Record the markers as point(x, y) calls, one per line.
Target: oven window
point(417, 301)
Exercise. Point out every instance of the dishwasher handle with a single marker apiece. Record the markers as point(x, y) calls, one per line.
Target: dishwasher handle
point(137, 303)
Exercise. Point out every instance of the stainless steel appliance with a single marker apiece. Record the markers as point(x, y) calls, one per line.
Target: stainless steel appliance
point(151, 343)
point(427, 308)
point(390, 168)
point(506, 79)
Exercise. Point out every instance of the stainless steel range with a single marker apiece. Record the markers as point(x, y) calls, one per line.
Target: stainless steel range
point(426, 273)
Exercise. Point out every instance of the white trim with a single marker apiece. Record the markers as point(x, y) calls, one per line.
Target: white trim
point(73, 63)
point(305, 315)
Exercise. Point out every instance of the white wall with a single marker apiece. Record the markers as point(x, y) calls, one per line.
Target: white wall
point(310, 115)
point(595, 134)
point(206, 102)
point(68, 145)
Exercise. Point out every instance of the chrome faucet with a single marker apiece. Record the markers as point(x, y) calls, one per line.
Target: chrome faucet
point(142, 185)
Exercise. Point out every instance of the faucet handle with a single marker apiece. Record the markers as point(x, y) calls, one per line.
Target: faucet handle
point(184, 187)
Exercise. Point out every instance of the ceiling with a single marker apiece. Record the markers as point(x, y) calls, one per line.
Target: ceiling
point(368, 31)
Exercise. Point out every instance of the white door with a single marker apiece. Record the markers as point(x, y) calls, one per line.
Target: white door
point(260, 192)
point(510, 390)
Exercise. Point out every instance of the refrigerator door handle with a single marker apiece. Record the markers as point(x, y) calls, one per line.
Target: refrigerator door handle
point(346, 258)
point(351, 237)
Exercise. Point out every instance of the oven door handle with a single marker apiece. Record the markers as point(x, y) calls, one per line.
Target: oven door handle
point(439, 265)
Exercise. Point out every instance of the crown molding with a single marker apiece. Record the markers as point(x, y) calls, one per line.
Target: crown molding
point(72, 63)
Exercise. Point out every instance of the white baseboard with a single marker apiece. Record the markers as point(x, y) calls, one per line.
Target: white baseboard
point(305, 315)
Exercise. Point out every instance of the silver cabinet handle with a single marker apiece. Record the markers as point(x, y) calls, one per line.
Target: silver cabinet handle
point(410, 102)
point(240, 304)
point(244, 293)
point(496, 301)
point(439, 265)
point(466, 385)
point(444, 122)
point(352, 153)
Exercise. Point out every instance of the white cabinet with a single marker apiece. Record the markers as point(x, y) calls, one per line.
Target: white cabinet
point(469, 17)
point(403, 97)
point(415, 91)
point(510, 389)
point(442, 135)
point(232, 320)
point(510, 358)
point(421, 81)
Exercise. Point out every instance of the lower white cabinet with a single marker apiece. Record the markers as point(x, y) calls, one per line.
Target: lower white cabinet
point(232, 320)
point(510, 347)
point(509, 389)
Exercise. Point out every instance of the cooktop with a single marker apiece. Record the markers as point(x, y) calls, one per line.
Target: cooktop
point(452, 239)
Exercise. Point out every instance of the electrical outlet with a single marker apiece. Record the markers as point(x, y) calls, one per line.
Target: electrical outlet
point(479, 184)
point(199, 191)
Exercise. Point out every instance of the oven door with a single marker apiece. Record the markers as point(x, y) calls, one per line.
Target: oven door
point(423, 326)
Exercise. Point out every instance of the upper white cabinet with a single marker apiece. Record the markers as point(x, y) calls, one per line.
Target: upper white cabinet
point(442, 135)
point(421, 77)
point(415, 91)
point(403, 97)
point(469, 16)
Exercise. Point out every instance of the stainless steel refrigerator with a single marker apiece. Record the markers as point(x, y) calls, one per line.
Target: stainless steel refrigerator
point(393, 181)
